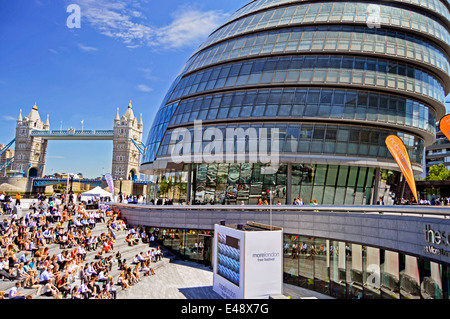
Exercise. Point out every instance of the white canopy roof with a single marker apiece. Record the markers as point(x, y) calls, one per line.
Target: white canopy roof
point(96, 192)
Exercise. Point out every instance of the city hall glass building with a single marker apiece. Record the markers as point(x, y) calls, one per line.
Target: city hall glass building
point(334, 78)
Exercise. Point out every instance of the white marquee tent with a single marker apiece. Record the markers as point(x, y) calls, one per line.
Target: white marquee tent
point(96, 193)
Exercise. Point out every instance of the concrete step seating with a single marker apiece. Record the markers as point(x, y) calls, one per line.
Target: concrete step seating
point(127, 252)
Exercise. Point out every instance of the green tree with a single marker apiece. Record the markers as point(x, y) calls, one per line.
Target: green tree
point(164, 186)
point(438, 173)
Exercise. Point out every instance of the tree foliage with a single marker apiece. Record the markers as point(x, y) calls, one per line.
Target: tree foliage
point(438, 173)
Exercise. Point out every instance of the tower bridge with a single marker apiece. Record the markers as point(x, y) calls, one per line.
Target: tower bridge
point(33, 135)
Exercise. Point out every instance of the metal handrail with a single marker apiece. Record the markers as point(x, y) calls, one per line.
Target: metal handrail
point(419, 210)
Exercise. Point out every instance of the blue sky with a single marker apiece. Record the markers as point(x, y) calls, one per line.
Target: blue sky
point(124, 50)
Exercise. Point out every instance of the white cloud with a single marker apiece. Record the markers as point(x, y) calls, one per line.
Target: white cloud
point(9, 118)
point(189, 26)
point(86, 48)
point(53, 51)
point(148, 74)
point(123, 20)
point(144, 88)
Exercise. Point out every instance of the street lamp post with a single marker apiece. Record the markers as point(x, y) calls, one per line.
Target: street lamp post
point(71, 183)
point(120, 190)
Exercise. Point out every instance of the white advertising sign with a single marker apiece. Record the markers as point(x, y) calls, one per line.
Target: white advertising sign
point(248, 264)
point(263, 264)
point(228, 266)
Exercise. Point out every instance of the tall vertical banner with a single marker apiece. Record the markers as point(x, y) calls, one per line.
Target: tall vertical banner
point(444, 126)
point(400, 154)
point(67, 186)
point(110, 182)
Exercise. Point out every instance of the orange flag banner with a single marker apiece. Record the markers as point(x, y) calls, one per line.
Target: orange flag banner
point(398, 151)
point(444, 125)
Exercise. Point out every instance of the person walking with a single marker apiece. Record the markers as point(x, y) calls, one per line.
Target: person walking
point(18, 198)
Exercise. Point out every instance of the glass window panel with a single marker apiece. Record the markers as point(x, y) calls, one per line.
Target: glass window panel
point(202, 115)
point(306, 262)
point(246, 173)
point(328, 195)
point(371, 275)
point(234, 111)
point(339, 198)
point(266, 77)
point(332, 76)
point(284, 110)
point(342, 176)
point(319, 76)
point(249, 98)
point(362, 176)
point(290, 259)
point(223, 113)
point(311, 110)
point(292, 76)
point(246, 111)
point(211, 174)
point(233, 173)
point(320, 173)
point(222, 173)
point(319, 132)
point(298, 110)
point(332, 175)
point(321, 266)
point(389, 263)
point(316, 147)
point(306, 193)
point(271, 110)
point(354, 271)
point(341, 148)
point(212, 114)
point(349, 196)
point(353, 173)
point(409, 277)
point(306, 76)
point(337, 270)
point(258, 110)
point(279, 76)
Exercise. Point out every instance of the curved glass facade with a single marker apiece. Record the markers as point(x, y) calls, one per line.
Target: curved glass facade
point(315, 139)
point(307, 103)
point(307, 70)
point(332, 13)
point(324, 39)
point(436, 6)
point(332, 85)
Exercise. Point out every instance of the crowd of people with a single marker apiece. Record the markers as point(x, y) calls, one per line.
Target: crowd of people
point(26, 259)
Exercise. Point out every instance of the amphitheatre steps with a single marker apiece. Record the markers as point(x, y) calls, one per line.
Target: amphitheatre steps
point(127, 252)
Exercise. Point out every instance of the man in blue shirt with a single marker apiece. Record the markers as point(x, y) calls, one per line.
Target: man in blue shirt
point(24, 258)
point(14, 293)
point(46, 276)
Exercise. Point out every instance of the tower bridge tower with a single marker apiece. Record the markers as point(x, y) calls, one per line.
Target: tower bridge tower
point(126, 157)
point(30, 151)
